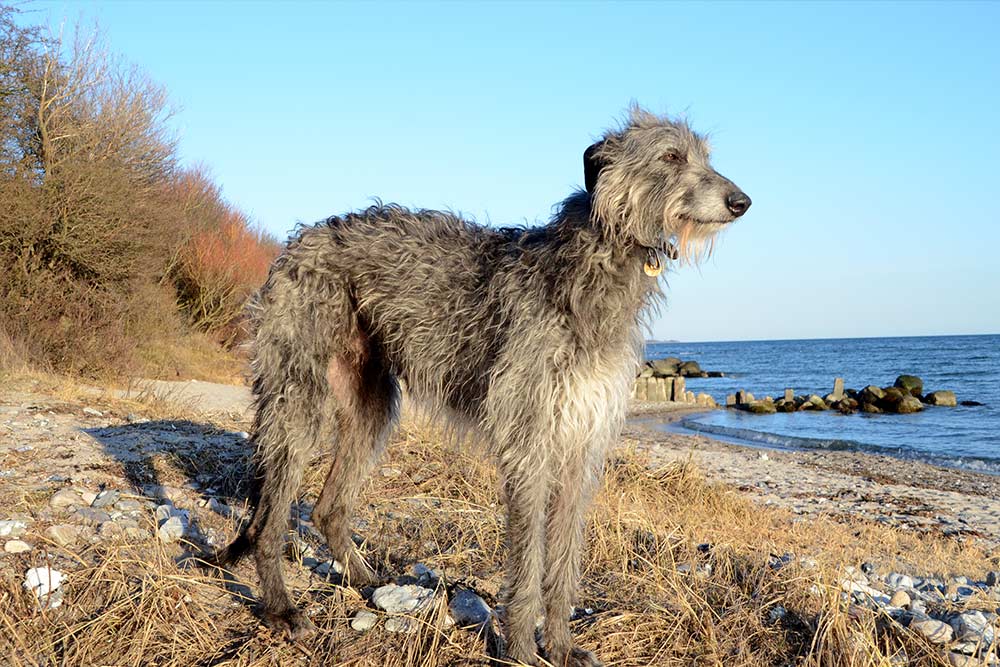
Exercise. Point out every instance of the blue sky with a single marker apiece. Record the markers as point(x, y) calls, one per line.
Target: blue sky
point(865, 133)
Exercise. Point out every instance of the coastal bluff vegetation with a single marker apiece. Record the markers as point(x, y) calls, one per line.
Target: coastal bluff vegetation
point(116, 259)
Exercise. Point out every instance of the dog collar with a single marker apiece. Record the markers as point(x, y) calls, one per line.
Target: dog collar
point(653, 266)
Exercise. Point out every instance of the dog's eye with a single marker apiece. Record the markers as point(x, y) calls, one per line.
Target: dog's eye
point(672, 156)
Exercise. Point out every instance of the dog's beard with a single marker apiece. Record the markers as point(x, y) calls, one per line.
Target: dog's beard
point(694, 241)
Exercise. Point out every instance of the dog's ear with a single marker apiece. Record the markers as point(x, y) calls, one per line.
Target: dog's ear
point(592, 165)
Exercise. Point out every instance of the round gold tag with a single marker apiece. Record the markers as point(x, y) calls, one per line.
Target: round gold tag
point(652, 270)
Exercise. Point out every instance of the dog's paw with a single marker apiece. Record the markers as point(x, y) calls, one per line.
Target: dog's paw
point(293, 623)
point(573, 657)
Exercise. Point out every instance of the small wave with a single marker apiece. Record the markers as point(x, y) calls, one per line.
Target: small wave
point(796, 443)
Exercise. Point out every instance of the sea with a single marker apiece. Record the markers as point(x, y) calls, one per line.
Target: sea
point(960, 437)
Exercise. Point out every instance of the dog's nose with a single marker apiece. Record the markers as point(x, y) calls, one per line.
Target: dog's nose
point(738, 203)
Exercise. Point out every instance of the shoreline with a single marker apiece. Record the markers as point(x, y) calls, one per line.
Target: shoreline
point(907, 494)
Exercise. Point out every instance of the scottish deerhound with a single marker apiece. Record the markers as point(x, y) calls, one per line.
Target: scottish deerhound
point(529, 335)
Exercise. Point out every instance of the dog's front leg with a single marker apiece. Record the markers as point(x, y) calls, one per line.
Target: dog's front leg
point(526, 490)
point(569, 502)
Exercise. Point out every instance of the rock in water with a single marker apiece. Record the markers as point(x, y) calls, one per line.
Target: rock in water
point(942, 398)
point(838, 388)
point(909, 405)
point(761, 408)
point(910, 384)
point(790, 395)
point(665, 367)
point(690, 369)
point(871, 394)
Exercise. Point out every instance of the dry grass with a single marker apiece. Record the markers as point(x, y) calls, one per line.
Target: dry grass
point(136, 605)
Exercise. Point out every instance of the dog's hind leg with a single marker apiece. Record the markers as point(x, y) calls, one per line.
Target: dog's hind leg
point(367, 399)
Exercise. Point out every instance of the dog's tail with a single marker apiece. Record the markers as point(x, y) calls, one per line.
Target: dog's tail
point(298, 317)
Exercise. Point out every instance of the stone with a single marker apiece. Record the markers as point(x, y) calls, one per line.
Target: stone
point(13, 527)
point(936, 632)
point(640, 389)
point(716, 374)
point(645, 372)
point(900, 599)
point(838, 388)
point(814, 402)
point(761, 408)
point(689, 396)
point(743, 397)
point(89, 516)
point(65, 498)
point(106, 498)
point(909, 405)
point(781, 405)
point(171, 530)
point(972, 404)
point(64, 534)
point(679, 390)
point(665, 367)
point(401, 625)
point(992, 578)
point(406, 599)
point(871, 394)
point(910, 384)
point(129, 505)
point(93, 412)
point(973, 626)
point(364, 621)
point(469, 610)
point(16, 547)
point(656, 389)
point(705, 400)
point(87, 497)
point(871, 408)
point(44, 582)
point(790, 395)
point(897, 581)
point(690, 369)
point(941, 398)
point(731, 401)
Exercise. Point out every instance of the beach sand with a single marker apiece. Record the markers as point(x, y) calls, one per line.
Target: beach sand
point(906, 494)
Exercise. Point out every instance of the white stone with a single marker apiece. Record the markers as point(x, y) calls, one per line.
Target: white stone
point(400, 624)
point(42, 580)
point(171, 530)
point(16, 547)
point(93, 412)
point(898, 581)
point(402, 599)
point(364, 621)
point(973, 626)
point(12, 527)
point(88, 497)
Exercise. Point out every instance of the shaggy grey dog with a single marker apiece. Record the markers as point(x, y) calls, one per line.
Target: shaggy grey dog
point(528, 337)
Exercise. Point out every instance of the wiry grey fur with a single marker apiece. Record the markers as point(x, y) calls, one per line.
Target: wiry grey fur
point(531, 336)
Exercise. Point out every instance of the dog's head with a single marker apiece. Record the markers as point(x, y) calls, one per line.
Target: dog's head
point(651, 181)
